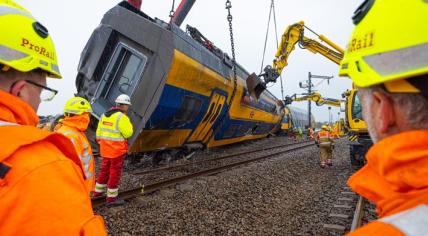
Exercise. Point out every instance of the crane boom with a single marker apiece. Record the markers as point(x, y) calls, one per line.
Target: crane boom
point(294, 34)
point(315, 97)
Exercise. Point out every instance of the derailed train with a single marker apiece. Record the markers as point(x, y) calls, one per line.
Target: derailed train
point(183, 91)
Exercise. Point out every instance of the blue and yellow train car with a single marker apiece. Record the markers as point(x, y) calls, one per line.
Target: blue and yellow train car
point(295, 118)
point(183, 93)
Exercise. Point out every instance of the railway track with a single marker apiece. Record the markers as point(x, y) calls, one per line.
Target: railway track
point(222, 157)
point(348, 203)
point(209, 171)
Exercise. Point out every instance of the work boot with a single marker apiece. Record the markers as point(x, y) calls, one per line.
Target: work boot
point(329, 162)
point(322, 165)
point(116, 202)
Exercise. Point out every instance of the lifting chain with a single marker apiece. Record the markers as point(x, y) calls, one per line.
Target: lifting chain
point(171, 13)
point(232, 44)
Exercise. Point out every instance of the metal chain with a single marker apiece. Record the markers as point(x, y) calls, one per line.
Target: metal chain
point(171, 13)
point(232, 44)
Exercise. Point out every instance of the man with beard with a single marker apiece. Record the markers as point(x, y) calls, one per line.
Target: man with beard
point(387, 59)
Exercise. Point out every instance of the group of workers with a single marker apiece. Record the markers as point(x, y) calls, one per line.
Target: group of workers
point(45, 178)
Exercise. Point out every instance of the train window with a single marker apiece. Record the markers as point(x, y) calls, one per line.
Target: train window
point(357, 112)
point(123, 72)
point(286, 118)
point(188, 111)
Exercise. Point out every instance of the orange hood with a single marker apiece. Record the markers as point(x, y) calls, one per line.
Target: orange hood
point(79, 122)
point(15, 110)
point(396, 174)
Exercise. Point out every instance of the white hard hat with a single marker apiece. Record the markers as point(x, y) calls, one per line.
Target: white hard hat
point(123, 99)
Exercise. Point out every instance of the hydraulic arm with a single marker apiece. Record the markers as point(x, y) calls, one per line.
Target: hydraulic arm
point(315, 97)
point(293, 35)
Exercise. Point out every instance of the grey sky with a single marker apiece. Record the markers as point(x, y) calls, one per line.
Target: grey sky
point(72, 22)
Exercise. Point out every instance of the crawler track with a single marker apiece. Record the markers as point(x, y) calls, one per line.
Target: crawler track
point(162, 184)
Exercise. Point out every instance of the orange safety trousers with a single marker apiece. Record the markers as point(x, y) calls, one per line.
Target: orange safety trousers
point(395, 178)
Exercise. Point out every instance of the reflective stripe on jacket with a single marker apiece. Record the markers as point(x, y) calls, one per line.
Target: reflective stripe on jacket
point(114, 128)
point(73, 128)
point(41, 185)
point(395, 178)
point(324, 137)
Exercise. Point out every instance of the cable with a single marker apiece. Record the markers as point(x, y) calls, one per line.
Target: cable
point(277, 44)
point(266, 38)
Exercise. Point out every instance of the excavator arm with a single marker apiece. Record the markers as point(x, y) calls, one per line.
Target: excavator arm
point(315, 97)
point(293, 35)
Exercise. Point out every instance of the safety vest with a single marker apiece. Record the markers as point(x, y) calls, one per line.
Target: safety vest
point(395, 178)
point(41, 185)
point(412, 222)
point(114, 128)
point(84, 151)
point(324, 137)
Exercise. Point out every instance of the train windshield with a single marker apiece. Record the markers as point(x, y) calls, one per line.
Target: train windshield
point(121, 77)
point(357, 111)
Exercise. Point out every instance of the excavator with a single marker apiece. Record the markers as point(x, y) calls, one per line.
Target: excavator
point(314, 97)
point(359, 139)
point(339, 126)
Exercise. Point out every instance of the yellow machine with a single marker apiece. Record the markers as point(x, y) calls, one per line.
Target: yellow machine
point(315, 97)
point(358, 135)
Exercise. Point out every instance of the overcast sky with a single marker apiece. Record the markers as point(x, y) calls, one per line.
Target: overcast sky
point(72, 22)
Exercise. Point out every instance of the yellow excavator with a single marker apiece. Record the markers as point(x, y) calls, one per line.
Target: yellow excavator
point(339, 126)
point(295, 35)
point(314, 97)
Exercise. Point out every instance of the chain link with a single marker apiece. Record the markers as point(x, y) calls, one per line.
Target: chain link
point(232, 44)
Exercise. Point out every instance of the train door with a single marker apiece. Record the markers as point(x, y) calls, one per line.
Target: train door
point(121, 77)
point(203, 130)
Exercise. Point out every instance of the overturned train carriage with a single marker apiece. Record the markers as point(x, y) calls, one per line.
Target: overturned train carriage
point(180, 90)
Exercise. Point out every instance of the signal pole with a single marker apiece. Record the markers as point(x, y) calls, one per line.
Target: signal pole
point(308, 86)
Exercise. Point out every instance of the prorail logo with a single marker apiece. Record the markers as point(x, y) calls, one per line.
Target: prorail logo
point(39, 49)
point(358, 43)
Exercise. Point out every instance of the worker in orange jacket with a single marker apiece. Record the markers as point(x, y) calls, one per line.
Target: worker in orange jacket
point(41, 184)
point(387, 60)
point(325, 142)
point(73, 126)
point(113, 131)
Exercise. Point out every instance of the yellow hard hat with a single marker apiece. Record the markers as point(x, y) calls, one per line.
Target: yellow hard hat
point(77, 105)
point(324, 127)
point(389, 46)
point(25, 44)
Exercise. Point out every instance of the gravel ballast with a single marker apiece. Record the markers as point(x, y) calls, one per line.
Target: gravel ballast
point(285, 195)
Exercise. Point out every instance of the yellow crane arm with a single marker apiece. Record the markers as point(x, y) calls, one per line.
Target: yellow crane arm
point(315, 97)
point(293, 35)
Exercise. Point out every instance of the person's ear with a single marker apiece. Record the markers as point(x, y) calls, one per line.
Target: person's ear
point(17, 87)
point(386, 114)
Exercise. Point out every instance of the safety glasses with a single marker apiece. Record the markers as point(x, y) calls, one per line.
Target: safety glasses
point(47, 93)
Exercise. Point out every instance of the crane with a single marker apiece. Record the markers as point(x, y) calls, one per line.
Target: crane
point(315, 97)
point(359, 139)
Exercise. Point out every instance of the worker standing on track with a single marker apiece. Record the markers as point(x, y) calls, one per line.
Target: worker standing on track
point(73, 126)
point(391, 73)
point(311, 133)
point(41, 184)
point(325, 142)
point(114, 128)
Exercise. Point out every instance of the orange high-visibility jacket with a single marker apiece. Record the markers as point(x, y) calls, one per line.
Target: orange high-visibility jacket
point(113, 131)
point(396, 179)
point(74, 129)
point(41, 185)
point(324, 137)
